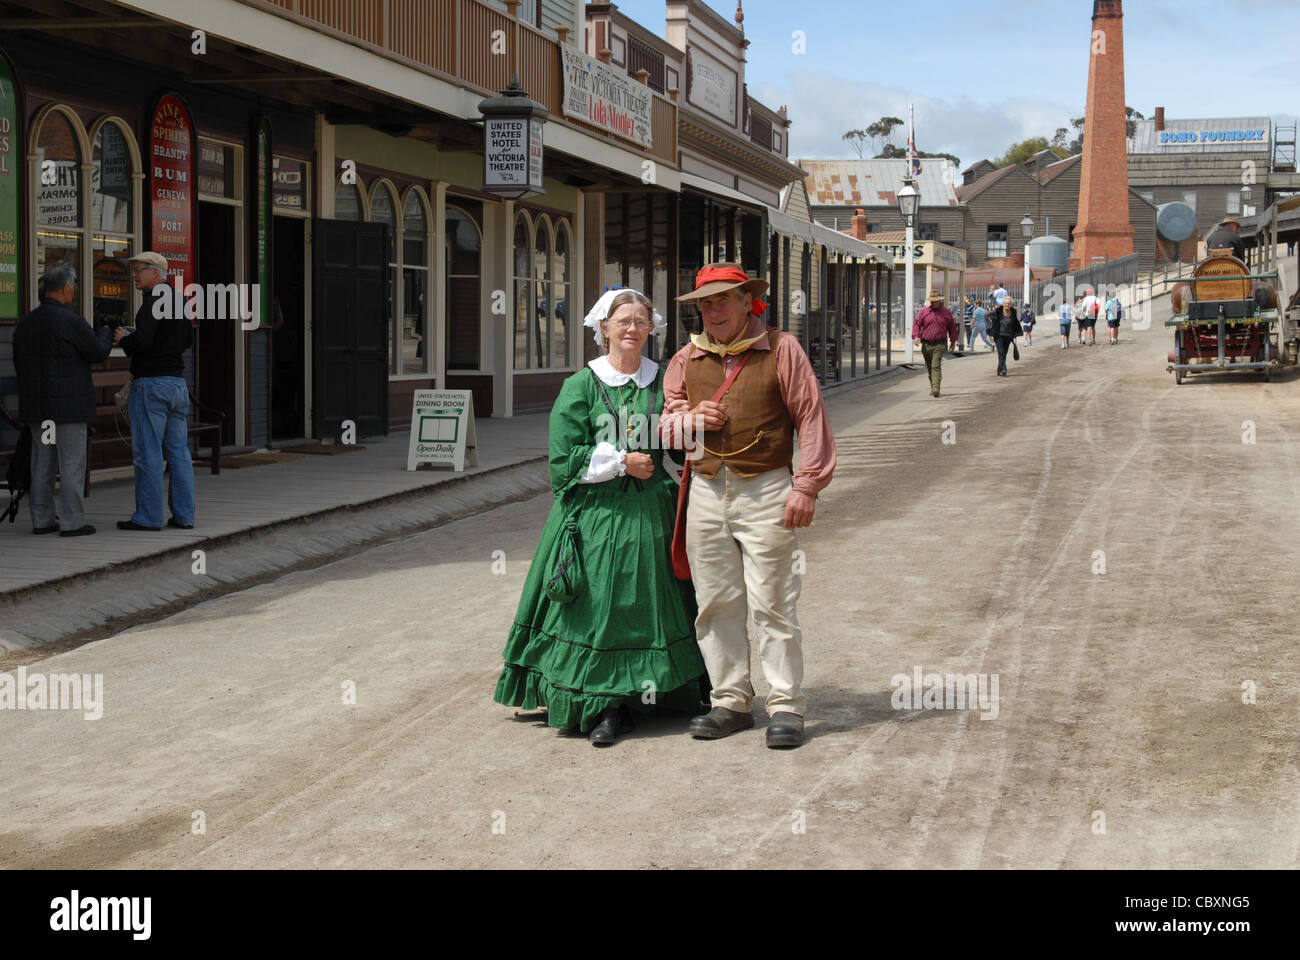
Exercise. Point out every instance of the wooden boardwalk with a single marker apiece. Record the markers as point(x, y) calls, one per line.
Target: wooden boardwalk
point(244, 499)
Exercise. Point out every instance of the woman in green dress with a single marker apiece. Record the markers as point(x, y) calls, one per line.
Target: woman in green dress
point(626, 641)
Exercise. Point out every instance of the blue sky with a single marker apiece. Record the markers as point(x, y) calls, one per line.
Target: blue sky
point(983, 75)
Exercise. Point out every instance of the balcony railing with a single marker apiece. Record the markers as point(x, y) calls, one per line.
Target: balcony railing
point(456, 40)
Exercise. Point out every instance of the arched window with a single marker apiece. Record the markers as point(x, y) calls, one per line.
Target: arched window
point(382, 210)
point(561, 295)
point(525, 332)
point(112, 222)
point(415, 284)
point(462, 250)
point(542, 306)
point(347, 202)
point(60, 232)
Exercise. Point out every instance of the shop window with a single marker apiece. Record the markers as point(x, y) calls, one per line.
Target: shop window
point(525, 337)
point(289, 181)
point(415, 284)
point(59, 229)
point(542, 277)
point(543, 305)
point(462, 245)
point(112, 222)
point(561, 292)
point(1189, 198)
point(216, 170)
point(347, 202)
point(997, 241)
point(382, 211)
point(1234, 201)
point(927, 231)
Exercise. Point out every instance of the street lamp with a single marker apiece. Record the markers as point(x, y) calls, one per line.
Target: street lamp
point(909, 199)
point(1027, 231)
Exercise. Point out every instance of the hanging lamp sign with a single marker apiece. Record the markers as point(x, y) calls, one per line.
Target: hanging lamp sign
point(512, 143)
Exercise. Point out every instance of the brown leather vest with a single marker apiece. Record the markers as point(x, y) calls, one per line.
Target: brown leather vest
point(755, 412)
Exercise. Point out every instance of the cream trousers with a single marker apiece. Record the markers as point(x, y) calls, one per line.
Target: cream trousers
point(743, 563)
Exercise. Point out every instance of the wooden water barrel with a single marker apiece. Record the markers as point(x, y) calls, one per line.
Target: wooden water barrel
point(1229, 279)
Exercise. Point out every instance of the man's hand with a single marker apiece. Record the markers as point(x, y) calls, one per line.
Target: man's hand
point(676, 406)
point(120, 333)
point(639, 465)
point(711, 415)
point(916, 342)
point(798, 510)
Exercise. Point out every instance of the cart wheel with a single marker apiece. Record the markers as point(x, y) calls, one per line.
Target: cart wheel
point(1178, 377)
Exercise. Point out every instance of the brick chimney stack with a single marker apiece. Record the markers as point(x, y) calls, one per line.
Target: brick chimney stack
point(858, 224)
point(1104, 228)
point(1160, 119)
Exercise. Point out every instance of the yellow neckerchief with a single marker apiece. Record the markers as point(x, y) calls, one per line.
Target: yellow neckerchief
point(702, 341)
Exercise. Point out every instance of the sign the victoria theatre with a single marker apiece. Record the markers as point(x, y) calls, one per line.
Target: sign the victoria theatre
point(607, 98)
point(171, 186)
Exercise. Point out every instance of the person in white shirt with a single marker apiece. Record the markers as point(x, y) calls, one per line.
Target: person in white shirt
point(999, 295)
point(1090, 306)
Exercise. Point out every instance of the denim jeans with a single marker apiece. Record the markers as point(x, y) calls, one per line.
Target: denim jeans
point(160, 407)
point(979, 330)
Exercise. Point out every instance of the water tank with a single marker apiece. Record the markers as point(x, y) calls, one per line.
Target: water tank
point(1048, 251)
point(1175, 221)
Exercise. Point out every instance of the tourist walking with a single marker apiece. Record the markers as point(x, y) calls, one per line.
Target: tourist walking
point(1005, 327)
point(979, 327)
point(1066, 312)
point(1112, 319)
point(1027, 320)
point(934, 331)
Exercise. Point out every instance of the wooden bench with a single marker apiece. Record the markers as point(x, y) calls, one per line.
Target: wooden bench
point(112, 381)
point(204, 421)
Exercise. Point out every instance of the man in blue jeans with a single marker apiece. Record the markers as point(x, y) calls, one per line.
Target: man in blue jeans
point(160, 400)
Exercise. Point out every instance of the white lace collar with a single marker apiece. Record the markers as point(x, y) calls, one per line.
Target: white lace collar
point(602, 368)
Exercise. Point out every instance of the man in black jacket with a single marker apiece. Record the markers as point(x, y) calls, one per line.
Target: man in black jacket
point(160, 400)
point(53, 351)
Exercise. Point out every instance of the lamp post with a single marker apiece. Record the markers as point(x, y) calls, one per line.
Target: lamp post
point(1026, 231)
point(909, 198)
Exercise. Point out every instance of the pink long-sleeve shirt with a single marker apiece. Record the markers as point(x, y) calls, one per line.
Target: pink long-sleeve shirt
point(800, 392)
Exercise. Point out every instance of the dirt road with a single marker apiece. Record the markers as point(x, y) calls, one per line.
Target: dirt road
point(1102, 541)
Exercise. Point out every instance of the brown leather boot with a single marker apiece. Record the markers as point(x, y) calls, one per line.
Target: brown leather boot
point(720, 722)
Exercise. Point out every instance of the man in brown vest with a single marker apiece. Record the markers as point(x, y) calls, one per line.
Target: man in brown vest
point(744, 504)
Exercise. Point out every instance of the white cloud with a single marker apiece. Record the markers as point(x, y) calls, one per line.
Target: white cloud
point(822, 106)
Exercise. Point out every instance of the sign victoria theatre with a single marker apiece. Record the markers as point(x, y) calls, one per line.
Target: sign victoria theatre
point(597, 94)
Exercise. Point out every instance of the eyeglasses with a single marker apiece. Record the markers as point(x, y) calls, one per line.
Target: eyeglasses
point(641, 325)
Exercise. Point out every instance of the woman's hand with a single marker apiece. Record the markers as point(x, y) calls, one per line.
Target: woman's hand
point(639, 465)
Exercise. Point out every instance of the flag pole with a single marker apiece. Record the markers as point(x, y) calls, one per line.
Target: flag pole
point(909, 290)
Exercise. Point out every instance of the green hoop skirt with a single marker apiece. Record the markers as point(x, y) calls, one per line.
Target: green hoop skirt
point(629, 636)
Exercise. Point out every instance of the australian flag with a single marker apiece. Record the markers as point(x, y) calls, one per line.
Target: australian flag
point(912, 156)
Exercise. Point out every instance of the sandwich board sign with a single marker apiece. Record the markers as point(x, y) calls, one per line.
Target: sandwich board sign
point(442, 429)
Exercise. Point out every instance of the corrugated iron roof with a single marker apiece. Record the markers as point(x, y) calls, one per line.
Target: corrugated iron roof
point(865, 183)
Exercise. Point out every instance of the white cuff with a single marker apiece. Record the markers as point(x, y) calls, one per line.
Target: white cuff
point(607, 462)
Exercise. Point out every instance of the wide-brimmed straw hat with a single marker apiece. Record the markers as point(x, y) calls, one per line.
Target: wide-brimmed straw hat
point(719, 278)
point(934, 295)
